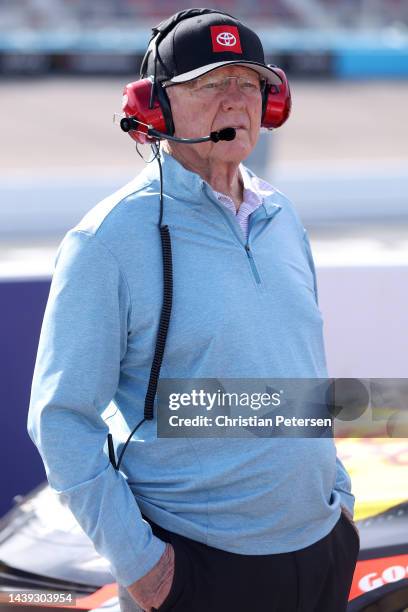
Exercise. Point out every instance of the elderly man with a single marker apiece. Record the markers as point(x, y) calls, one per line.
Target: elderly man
point(194, 524)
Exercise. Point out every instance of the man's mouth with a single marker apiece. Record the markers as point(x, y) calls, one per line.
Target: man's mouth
point(236, 127)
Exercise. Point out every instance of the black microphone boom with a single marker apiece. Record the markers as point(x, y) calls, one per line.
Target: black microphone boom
point(225, 134)
point(128, 124)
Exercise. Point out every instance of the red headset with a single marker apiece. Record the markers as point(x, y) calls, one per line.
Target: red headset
point(276, 106)
point(146, 108)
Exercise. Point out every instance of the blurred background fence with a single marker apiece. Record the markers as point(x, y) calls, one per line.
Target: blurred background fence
point(355, 14)
point(327, 37)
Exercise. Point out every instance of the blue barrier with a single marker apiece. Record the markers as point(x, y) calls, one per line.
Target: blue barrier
point(22, 304)
point(371, 63)
point(344, 53)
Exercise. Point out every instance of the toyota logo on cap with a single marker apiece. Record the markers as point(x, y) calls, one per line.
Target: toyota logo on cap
point(225, 38)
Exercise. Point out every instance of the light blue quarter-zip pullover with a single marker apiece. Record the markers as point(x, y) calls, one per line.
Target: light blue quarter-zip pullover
point(242, 308)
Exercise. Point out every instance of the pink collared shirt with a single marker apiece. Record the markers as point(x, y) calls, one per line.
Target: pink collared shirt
point(255, 189)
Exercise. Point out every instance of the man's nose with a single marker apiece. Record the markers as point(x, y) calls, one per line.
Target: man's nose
point(233, 96)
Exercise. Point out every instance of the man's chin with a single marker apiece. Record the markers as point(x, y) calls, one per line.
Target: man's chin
point(232, 151)
point(232, 155)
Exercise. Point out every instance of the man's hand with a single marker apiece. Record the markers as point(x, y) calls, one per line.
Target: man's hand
point(350, 518)
point(151, 590)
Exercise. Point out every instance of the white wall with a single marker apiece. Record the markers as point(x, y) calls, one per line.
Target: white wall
point(366, 320)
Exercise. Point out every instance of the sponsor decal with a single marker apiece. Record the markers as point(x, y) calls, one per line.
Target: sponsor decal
point(225, 38)
point(105, 594)
point(375, 573)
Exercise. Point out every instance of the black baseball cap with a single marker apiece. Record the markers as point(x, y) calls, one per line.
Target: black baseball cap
point(195, 41)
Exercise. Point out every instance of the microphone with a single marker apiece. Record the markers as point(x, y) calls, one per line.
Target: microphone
point(228, 133)
point(128, 124)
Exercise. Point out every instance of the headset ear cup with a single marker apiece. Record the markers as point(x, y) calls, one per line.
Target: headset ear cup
point(136, 105)
point(278, 102)
point(164, 102)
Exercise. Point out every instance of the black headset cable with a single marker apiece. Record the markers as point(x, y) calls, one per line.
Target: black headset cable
point(163, 324)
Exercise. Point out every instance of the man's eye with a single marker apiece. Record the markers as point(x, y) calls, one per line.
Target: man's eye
point(250, 85)
point(208, 85)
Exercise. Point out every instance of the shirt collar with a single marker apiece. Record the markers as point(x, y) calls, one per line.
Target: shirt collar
point(177, 179)
point(255, 189)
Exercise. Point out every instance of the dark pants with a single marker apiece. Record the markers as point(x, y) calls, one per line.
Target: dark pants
point(313, 579)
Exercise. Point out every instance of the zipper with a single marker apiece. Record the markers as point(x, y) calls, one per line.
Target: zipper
point(253, 220)
point(253, 264)
point(238, 233)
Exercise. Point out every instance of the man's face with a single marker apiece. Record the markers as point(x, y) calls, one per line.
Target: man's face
point(213, 102)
